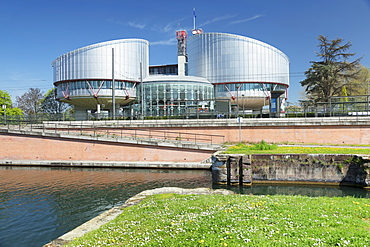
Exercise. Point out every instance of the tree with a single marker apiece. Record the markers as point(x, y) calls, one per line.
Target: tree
point(6, 105)
point(361, 84)
point(51, 106)
point(327, 77)
point(29, 102)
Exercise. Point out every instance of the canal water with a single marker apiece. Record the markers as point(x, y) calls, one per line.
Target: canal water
point(38, 205)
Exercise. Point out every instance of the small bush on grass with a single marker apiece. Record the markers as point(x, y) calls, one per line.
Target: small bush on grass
point(263, 146)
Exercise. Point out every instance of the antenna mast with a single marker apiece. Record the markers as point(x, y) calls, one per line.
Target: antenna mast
point(194, 18)
point(195, 30)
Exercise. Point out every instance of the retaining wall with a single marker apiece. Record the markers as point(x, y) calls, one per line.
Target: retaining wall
point(41, 148)
point(291, 168)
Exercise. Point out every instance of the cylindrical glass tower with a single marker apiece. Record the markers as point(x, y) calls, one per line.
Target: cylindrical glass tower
point(243, 70)
point(83, 77)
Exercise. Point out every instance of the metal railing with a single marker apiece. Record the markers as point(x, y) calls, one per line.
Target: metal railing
point(328, 109)
point(116, 132)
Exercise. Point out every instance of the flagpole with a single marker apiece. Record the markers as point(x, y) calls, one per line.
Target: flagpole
point(113, 89)
point(194, 17)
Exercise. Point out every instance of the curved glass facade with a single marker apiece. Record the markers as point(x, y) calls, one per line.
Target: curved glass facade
point(233, 70)
point(89, 93)
point(238, 65)
point(176, 95)
point(87, 72)
point(95, 61)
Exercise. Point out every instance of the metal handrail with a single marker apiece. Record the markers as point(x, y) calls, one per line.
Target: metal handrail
point(134, 133)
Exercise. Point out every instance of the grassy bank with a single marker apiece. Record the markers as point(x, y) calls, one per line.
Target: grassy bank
point(237, 220)
point(264, 148)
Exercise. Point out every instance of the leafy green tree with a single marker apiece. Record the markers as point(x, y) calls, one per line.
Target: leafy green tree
point(51, 106)
point(361, 84)
point(29, 102)
point(6, 105)
point(327, 77)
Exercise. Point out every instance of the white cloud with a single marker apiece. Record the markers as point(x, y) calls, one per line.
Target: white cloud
point(169, 27)
point(129, 23)
point(136, 25)
point(245, 20)
point(220, 18)
point(171, 41)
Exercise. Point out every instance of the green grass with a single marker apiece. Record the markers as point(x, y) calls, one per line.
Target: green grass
point(251, 149)
point(237, 220)
point(263, 146)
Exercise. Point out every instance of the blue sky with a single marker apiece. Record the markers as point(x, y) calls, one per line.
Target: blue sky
point(35, 32)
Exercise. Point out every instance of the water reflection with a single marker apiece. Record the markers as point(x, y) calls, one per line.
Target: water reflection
point(38, 205)
point(306, 190)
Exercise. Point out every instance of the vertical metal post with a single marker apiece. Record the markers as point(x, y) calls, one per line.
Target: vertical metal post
point(228, 171)
point(240, 166)
point(113, 89)
point(142, 91)
point(240, 119)
point(4, 106)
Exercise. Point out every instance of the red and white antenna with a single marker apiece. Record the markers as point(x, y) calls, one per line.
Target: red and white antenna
point(181, 37)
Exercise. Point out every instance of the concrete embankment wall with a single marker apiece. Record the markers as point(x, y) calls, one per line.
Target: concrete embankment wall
point(293, 134)
point(46, 148)
point(26, 145)
point(334, 130)
point(291, 168)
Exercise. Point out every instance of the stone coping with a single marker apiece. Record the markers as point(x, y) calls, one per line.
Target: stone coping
point(301, 121)
point(114, 212)
point(204, 165)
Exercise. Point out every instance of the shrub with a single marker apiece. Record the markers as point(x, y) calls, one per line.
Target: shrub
point(263, 146)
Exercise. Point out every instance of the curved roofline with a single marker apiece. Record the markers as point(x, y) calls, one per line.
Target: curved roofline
point(154, 78)
point(251, 82)
point(100, 44)
point(93, 79)
point(245, 38)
